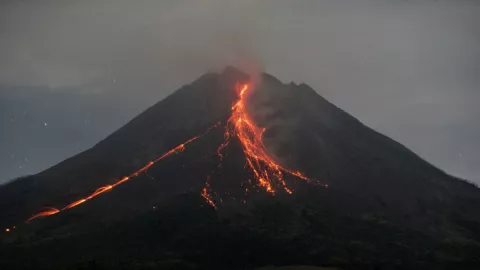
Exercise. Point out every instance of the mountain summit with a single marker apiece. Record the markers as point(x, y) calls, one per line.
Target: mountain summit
point(234, 172)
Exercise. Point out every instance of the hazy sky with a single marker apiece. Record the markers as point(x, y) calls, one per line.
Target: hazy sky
point(71, 72)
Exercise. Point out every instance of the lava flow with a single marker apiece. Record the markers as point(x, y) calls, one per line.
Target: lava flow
point(52, 211)
point(269, 175)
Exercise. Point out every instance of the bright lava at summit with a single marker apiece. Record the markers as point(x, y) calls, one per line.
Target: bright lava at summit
point(268, 174)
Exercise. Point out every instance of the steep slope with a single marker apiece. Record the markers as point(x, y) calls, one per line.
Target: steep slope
point(333, 146)
point(186, 113)
point(382, 200)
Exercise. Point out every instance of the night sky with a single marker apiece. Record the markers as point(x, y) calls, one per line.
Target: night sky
point(72, 72)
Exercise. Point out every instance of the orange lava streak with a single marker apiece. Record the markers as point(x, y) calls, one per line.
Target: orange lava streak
point(268, 173)
point(101, 190)
point(48, 212)
point(123, 180)
point(75, 203)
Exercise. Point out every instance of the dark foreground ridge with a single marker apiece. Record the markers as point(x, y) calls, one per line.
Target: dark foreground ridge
point(384, 208)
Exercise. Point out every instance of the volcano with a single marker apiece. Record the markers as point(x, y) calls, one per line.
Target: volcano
point(239, 172)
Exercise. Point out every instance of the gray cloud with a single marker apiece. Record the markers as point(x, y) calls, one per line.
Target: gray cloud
point(406, 68)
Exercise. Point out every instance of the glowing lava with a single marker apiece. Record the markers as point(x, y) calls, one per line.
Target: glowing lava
point(50, 211)
point(269, 175)
point(206, 195)
point(101, 190)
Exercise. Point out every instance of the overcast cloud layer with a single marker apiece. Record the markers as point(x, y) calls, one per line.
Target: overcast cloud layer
point(71, 72)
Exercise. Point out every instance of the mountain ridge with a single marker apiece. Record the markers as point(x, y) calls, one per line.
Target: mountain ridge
point(374, 183)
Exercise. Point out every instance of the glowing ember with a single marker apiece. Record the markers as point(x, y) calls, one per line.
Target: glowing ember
point(206, 195)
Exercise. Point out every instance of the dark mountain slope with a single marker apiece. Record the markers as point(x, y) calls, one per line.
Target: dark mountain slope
point(184, 114)
point(385, 207)
point(333, 146)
